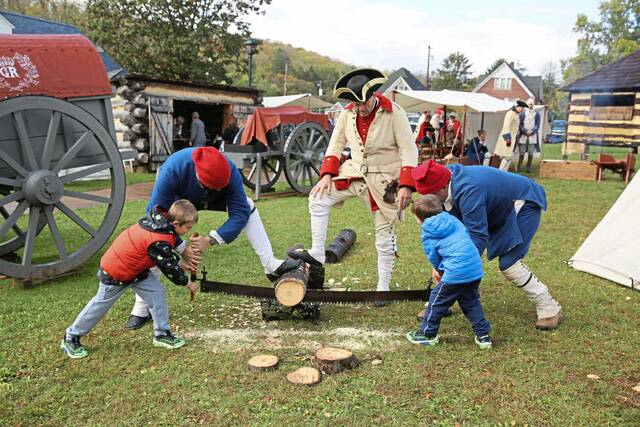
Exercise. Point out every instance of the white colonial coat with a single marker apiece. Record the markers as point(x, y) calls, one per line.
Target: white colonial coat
point(511, 125)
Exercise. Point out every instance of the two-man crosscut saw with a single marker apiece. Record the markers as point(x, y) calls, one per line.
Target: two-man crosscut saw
point(316, 295)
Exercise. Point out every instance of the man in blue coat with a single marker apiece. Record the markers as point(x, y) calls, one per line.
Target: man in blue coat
point(210, 181)
point(502, 213)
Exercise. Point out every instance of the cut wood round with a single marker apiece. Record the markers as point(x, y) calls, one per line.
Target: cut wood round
point(305, 376)
point(140, 112)
point(263, 363)
point(142, 158)
point(331, 360)
point(292, 286)
point(127, 119)
point(137, 86)
point(129, 106)
point(140, 144)
point(125, 92)
point(140, 100)
point(140, 128)
point(129, 135)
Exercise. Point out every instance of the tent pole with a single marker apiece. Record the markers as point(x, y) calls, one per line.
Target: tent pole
point(482, 120)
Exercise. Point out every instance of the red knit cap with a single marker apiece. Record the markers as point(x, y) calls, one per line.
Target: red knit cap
point(430, 177)
point(212, 167)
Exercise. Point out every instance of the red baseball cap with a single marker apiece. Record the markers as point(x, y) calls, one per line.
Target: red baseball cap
point(430, 177)
point(212, 167)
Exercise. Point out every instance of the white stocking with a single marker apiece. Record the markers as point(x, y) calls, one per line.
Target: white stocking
point(520, 275)
point(257, 236)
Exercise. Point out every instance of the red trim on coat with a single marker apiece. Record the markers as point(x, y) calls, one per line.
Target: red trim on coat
point(406, 180)
point(330, 166)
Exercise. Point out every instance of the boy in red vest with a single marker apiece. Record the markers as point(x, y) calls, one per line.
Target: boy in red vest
point(126, 264)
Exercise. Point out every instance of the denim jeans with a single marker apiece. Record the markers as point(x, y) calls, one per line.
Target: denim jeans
point(149, 289)
point(443, 296)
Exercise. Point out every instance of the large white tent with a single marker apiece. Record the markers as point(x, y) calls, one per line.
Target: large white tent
point(612, 250)
point(305, 100)
point(483, 111)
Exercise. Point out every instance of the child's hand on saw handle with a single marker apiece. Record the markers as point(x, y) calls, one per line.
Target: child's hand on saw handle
point(192, 287)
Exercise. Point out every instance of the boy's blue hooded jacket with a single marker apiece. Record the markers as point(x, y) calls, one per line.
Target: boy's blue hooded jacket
point(449, 248)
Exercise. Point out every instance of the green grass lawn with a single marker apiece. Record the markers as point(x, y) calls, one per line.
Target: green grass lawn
point(529, 378)
point(100, 184)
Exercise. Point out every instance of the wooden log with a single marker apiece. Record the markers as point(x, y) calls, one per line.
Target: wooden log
point(273, 310)
point(292, 286)
point(331, 360)
point(304, 376)
point(128, 120)
point(140, 112)
point(140, 100)
point(263, 363)
point(129, 106)
point(125, 92)
point(140, 128)
point(142, 158)
point(138, 86)
point(140, 144)
point(129, 135)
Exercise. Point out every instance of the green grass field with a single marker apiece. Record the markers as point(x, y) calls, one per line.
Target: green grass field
point(530, 377)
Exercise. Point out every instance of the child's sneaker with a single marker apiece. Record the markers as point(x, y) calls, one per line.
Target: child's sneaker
point(167, 340)
point(484, 342)
point(73, 348)
point(417, 337)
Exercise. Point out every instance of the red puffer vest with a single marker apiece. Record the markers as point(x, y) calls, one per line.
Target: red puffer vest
point(127, 257)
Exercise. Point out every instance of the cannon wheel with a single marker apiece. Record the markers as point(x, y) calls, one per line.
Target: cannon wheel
point(271, 169)
point(303, 154)
point(38, 188)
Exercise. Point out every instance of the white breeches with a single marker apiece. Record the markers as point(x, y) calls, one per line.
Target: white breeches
point(385, 237)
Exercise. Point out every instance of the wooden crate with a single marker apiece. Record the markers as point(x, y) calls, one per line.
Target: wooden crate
point(568, 169)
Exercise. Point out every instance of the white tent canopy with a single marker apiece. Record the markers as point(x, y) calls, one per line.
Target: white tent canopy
point(417, 101)
point(306, 100)
point(612, 249)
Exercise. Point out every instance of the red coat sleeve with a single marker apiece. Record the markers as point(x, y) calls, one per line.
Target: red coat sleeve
point(405, 178)
point(330, 166)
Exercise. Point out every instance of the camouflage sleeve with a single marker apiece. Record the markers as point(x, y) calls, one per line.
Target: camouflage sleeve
point(168, 262)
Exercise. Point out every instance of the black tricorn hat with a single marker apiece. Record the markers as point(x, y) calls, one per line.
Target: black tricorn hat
point(521, 103)
point(359, 85)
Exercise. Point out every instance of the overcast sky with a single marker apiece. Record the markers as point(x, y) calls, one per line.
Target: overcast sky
point(389, 34)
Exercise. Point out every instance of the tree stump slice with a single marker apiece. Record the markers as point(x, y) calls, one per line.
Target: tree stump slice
point(292, 286)
point(263, 363)
point(332, 360)
point(304, 376)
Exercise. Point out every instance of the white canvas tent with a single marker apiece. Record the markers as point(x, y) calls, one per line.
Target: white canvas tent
point(612, 250)
point(483, 111)
point(305, 100)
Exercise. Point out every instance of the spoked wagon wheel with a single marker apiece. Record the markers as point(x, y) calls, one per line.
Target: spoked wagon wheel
point(270, 172)
point(54, 144)
point(303, 153)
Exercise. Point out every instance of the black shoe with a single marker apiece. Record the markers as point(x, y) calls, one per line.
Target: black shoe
point(301, 253)
point(136, 322)
point(288, 265)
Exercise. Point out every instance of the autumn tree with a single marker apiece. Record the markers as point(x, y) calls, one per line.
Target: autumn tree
point(191, 40)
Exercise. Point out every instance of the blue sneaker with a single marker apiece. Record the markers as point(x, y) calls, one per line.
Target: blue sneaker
point(417, 337)
point(484, 342)
point(73, 348)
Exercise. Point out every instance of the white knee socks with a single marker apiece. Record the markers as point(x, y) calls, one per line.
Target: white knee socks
point(319, 213)
point(520, 275)
point(386, 247)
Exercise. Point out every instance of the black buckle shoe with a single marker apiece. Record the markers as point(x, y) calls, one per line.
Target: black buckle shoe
point(303, 254)
point(136, 322)
point(288, 265)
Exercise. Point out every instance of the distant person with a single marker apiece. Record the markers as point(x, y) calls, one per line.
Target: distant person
point(229, 133)
point(198, 137)
point(126, 265)
point(425, 131)
point(477, 149)
point(437, 123)
point(529, 142)
point(178, 127)
point(452, 253)
point(509, 134)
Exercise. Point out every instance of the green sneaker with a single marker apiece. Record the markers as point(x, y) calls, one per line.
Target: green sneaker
point(417, 337)
point(167, 340)
point(484, 342)
point(73, 348)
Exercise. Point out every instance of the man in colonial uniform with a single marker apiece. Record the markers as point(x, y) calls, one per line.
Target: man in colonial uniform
point(383, 155)
point(508, 134)
point(502, 213)
point(528, 143)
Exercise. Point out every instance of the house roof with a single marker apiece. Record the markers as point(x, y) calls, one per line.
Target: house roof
point(196, 84)
point(533, 84)
point(24, 24)
point(623, 74)
point(409, 78)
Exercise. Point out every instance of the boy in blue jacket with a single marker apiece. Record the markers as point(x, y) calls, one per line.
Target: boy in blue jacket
point(450, 250)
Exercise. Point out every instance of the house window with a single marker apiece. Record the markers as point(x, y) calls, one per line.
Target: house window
point(612, 107)
point(502, 83)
